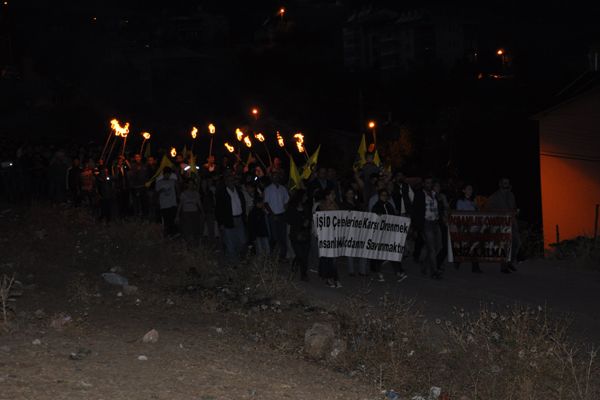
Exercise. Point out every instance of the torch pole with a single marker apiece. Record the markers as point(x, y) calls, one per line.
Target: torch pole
point(112, 147)
point(106, 145)
point(268, 154)
point(261, 161)
point(124, 144)
point(210, 147)
point(142, 148)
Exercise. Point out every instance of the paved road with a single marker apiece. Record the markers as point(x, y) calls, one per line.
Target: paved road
point(563, 290)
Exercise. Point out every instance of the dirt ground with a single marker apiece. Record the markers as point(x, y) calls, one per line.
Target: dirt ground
point(198, 356)
point(213, 345)
point(204, 352)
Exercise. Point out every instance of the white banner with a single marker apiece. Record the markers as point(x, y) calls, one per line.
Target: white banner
point(361, 234)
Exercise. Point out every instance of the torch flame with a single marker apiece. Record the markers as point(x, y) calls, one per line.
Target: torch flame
point(119, 130)
point(146, 135)
point(229, 147)
point(194, 132)
point(280, 141)
point(173, 152)
point(211, 129)
point(260, 137)
point(239, 134)
point(300, 142)
point(247, 141)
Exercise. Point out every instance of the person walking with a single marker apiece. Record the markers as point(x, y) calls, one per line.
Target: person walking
point(504, 200)
point(230, 214)
point(327, 267)
point(426, 220)
point(298, 217)
point(276, 197)
point(467, 203)
point(189, 213)
point(166, 187)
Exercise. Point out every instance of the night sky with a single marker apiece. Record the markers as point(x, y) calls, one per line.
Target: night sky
point(84, 62)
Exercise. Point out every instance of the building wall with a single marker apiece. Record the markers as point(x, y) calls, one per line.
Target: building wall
point(570, 168)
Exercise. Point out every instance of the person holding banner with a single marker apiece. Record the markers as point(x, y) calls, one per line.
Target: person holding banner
point(327, 267)
point(383, 206)
point(350, 203)
point(504, 200)
point(466, 203)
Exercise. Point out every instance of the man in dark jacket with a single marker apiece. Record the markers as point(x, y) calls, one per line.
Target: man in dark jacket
point(425, 220)
point(230, 214)
point(383, 206)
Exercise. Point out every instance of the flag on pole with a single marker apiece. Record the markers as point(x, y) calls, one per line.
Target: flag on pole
point(311, 164)
point(295, 181)
point(165, 162)
point(360, 155)
point(376, 159)
point(193, 168)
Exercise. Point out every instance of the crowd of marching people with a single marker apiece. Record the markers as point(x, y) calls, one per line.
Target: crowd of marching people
point(245, 208)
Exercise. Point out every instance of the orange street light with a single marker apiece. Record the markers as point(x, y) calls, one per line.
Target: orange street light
point(373, 127)
point(255, 113)
point(502, 54)
point(281, 12)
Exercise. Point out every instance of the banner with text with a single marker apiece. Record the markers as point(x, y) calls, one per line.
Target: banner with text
point(480, 236)
point(361, 234)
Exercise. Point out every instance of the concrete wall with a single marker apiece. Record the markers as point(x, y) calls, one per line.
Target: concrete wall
point(570, 167)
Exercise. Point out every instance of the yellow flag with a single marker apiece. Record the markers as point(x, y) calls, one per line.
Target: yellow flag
point(295, 178)
point(311, 164)
point(193, 169)
point(165, 162)
point(376, 159)
point(362, 151)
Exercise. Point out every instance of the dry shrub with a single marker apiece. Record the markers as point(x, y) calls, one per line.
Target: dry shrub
point(6, 285)
point(513, 353)
point(261, 278)
point(584, 251)
point(520, 352)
